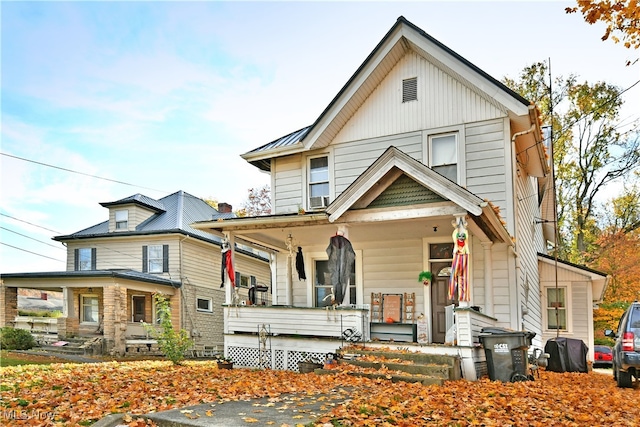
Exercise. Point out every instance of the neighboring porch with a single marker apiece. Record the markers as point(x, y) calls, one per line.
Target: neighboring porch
point(108, 313)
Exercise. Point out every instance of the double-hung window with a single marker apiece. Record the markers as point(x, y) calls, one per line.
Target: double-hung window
point(89, 309)
point(84, 259)
point(155, 259)
point(322, 286)
point(444, 155)
point(318, 182)
point(122, 220)
point(556, 308)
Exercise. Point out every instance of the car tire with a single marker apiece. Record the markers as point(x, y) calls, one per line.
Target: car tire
point(624, 379)
point(615, 372)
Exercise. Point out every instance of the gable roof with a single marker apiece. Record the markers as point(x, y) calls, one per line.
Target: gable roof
point(599, 280)
point(401, 38)
point(393, 164)
point(174, 213)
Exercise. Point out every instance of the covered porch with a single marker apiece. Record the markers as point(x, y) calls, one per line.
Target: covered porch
point(107, 305)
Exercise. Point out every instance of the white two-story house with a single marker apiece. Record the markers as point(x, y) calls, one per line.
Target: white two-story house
point(420, 147)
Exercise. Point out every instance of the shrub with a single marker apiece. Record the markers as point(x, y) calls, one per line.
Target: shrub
point(16, 339)
point(173, 343)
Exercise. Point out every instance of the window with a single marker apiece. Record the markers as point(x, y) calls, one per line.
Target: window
point(318, 182)
point(84, 259)
point(245, 281)
point(122, 220)
point(138, 305)
point(322, 285)
point(410, 89)
point(155, 259)
point(89, 309)
point(444, 155)
point(557, 303)
point(204, 305)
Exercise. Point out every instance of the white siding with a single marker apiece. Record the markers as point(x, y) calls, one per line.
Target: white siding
point(288, 182)
point(486, 163)
point(353, 158)
point(442, 101)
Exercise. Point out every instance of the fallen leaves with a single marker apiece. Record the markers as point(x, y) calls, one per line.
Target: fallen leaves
point(80, 394)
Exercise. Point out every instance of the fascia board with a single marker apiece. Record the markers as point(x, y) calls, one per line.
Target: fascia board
point(352, 87)
point(415, 170)
point(276, 152)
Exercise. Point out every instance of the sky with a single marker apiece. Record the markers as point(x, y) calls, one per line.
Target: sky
point(103, 100)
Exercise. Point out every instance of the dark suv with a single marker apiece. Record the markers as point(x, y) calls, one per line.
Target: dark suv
point(626, 352)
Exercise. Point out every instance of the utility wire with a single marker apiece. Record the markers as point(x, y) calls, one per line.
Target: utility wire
point(34, 253)
point(28, 237)
point(27, 222)
point(81, 173)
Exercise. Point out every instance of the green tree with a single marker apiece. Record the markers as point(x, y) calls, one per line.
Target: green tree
point(173, 343)
point(589, 151)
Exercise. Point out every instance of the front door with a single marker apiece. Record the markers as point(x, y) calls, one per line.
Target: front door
point(439, 300)
point(138, 308)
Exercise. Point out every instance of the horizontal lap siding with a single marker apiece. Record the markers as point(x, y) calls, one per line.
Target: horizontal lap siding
point(486, 163)
point(287, 192)
point(442, 101)
point(353, 158)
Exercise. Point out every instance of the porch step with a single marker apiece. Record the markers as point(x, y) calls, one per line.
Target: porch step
point(409, 367)
point(75, 346)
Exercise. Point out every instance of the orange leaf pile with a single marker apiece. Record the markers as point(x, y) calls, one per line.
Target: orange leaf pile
point(80, 394)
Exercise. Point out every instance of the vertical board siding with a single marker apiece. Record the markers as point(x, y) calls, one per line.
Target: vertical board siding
point(442, 101)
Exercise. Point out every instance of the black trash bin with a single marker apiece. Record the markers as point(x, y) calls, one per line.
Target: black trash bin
point(506, 353)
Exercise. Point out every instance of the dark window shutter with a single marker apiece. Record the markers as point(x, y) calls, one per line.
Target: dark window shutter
point(76, 264)
point(237, 278)
point(93, 258)
point(165, 258)
point(145, 263)
point(253, 281)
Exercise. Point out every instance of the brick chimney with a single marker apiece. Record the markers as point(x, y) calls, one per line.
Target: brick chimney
point(224, 208)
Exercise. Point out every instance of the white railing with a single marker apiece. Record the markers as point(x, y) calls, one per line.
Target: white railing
point(298, 321)
point(37, 324)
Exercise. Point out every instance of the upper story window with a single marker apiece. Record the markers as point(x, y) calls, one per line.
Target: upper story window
point(319, 182)
point(84, 259)
point(443, 155)
point(410, 89)
point(122, 220)
point(155, 259)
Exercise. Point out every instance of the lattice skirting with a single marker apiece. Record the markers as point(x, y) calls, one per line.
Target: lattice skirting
point(275, 359)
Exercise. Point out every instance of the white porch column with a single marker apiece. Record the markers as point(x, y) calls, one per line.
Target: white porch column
point(290, 258)
point(228, 287)
point(67, 302)
point(488, 282)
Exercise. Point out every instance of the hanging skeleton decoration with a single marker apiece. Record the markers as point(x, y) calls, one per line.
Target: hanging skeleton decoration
point(342, 257)
point(459, 279)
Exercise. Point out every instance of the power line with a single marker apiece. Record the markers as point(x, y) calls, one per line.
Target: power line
point(34, 253)
point(81, 173)
point(28, 237)
point(27, 222)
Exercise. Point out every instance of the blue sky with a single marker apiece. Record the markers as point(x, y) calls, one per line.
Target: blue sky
point(165, 96)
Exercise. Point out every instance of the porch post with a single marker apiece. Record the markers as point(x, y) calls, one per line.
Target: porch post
point(289, 292)
point(228, 287)
point(115, 318)
point(8, 300)
point(488, 282)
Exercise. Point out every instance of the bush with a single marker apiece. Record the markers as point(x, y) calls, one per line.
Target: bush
point(16, 339)
point(40, 313)
point(173, 343)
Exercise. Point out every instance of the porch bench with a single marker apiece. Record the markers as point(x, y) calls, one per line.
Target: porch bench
point(403, 332)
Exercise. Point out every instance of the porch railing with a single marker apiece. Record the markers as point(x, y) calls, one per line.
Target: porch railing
point(469, 324)
point(341, 322)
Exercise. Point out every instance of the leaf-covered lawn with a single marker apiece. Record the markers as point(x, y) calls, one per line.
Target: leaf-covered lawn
point(80, 394)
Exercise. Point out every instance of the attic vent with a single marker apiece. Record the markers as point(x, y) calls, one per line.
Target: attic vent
point(410, 89)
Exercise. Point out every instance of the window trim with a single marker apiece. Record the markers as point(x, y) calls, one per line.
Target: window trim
point(306, 191)
point(310, 266)
point(124, 223)
point(545, 307)
point(458, 132)
point(82, 306)
point(92, 260)
point(209, 301)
